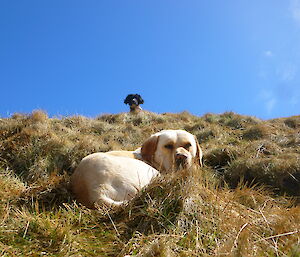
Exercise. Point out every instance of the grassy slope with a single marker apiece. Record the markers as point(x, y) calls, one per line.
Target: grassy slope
point(201, 212)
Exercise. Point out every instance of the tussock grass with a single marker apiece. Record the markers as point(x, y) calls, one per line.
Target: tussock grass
point(243, 202)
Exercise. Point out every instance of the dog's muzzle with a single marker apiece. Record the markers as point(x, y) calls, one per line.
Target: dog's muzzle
point(134, 101)
point(181, 161)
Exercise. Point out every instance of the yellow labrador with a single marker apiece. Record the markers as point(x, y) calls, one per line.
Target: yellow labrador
point(170, 150)
point(115, 177)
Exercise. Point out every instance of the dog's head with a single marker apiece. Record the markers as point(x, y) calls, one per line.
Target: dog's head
point(170, 150)
point(133, 100)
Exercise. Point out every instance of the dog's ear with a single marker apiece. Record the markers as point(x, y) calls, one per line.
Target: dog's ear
point(128, 99)
point(199, 153)
point(139, 98)
point(149, 148)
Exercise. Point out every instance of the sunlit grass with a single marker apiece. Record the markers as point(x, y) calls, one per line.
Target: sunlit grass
point(243, 202)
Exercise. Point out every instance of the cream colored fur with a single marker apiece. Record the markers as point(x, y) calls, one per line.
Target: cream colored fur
point(115, 177)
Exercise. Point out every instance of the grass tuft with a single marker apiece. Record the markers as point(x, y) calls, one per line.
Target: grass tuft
point(257, 132)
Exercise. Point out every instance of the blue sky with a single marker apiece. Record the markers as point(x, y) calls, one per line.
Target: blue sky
point(71, 57)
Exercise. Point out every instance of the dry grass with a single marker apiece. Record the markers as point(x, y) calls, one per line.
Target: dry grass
point(242, 203)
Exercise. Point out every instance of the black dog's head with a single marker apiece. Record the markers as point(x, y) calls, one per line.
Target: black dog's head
point(134, 100)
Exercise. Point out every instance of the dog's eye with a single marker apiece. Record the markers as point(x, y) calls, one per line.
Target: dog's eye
point(187, 146)
point(169, 146)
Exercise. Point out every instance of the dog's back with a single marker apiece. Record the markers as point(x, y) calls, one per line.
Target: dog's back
point(109, 178)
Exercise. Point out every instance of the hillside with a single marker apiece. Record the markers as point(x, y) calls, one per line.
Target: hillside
point(243, 202)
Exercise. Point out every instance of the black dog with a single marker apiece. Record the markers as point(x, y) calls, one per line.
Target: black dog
point(134, 102)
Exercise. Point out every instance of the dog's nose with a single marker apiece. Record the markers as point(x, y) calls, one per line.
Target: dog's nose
point(180, 156)
point(180, 159)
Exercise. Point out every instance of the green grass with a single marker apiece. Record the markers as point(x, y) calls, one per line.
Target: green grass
point(243, 202)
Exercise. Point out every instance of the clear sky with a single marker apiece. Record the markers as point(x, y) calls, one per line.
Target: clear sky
point(72, 57)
